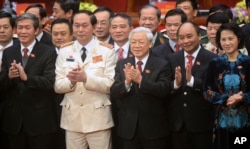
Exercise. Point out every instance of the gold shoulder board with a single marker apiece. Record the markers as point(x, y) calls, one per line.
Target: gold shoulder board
point(67, 44)
point(105, 44)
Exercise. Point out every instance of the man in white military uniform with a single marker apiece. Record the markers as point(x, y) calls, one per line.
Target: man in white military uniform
point(85, 72)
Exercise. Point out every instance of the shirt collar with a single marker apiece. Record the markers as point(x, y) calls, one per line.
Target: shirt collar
point(8, 45)
point(172, 43)
point(39, 36)
point(88, 46)
point(194, 54)
point(125, 47)
point(30, 47)
point(144, 60)
point(154, 38)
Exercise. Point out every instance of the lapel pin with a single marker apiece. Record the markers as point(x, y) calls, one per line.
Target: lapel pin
point(32, 55)
point(198, 63)
point(147, 71)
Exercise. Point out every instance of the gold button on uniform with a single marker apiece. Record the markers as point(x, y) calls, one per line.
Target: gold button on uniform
point(185, 93)
point(185, 105)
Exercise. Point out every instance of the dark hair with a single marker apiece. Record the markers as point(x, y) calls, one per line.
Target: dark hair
point(174, 12)
point(42, 11)
point(62, 21)
point(102, 9)
point(235, 29)
point(221, 8)
point(93, 19)
point(193, 3)
point(158, 12)
point(124, 16)
point(196, 27)
point(30, 17)
point(7, 15)
point(68, 5)
point(218, 17)
point(247, 3)
point(10, 11)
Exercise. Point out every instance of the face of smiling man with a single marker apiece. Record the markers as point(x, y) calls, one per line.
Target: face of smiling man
point(26, 32)
point(140, 44)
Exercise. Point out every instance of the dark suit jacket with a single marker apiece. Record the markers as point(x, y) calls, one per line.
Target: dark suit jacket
point(162, 50)
point(246, 31)
point(30, 104)
point(46, 39)
point(142, 108)
point(187, 105)
point(159, 40)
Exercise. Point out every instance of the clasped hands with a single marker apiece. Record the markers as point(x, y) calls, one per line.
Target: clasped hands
point(16, 70)
point(132, 74)
point(235, 98)
point(77, 75)
point(178, 75)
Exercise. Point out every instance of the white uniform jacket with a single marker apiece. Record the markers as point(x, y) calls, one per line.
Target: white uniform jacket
point(86, 106)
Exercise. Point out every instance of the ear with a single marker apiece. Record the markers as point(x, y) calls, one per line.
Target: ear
point(44, 20)
point(159, 22)
point(36, 31)
point(195, 13)
point(69, 14)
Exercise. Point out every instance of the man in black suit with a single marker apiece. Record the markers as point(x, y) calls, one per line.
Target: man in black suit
point(173, 19)
point(40, 13)
point(62, 34)
point(121, 25)
point(141, 85)
point(7, 24)
point(246, 29)
point(190, 116)
point(150, 17)
point(101, 31)
point(28, 74)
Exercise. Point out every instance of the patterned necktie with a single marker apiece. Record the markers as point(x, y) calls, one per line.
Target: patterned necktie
point(120, 54)
point(190, 60)
point(139, 63)
point(25, 53)
point(177, 48)
point(83, 54)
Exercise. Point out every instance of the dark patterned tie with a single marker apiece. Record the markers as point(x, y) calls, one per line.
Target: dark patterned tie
point(177, 48)
point(83, 54)
point(120, 54)
point(139, 63)
point(25, 53)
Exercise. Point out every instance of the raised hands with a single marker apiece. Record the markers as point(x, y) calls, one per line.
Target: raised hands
point(16, 70)
point(132, 74)
point(77, 75)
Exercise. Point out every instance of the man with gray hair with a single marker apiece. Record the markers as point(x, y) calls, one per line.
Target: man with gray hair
point(141, 85)
point(28, 74)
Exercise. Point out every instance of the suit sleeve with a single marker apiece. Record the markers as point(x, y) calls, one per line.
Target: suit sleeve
point(46, 79)
point(103, 83)
point(118, 89)
point(62, 83)
point(159, 88)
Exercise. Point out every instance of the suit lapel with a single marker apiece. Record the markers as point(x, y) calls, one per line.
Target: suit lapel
point(149, 67)
point(198, 61)
point(36, 51)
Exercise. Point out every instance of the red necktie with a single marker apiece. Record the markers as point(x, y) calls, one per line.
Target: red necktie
point(177, 48)
point(139, 63)
point(25, 53)
point(120, 54)
point(190, 60)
